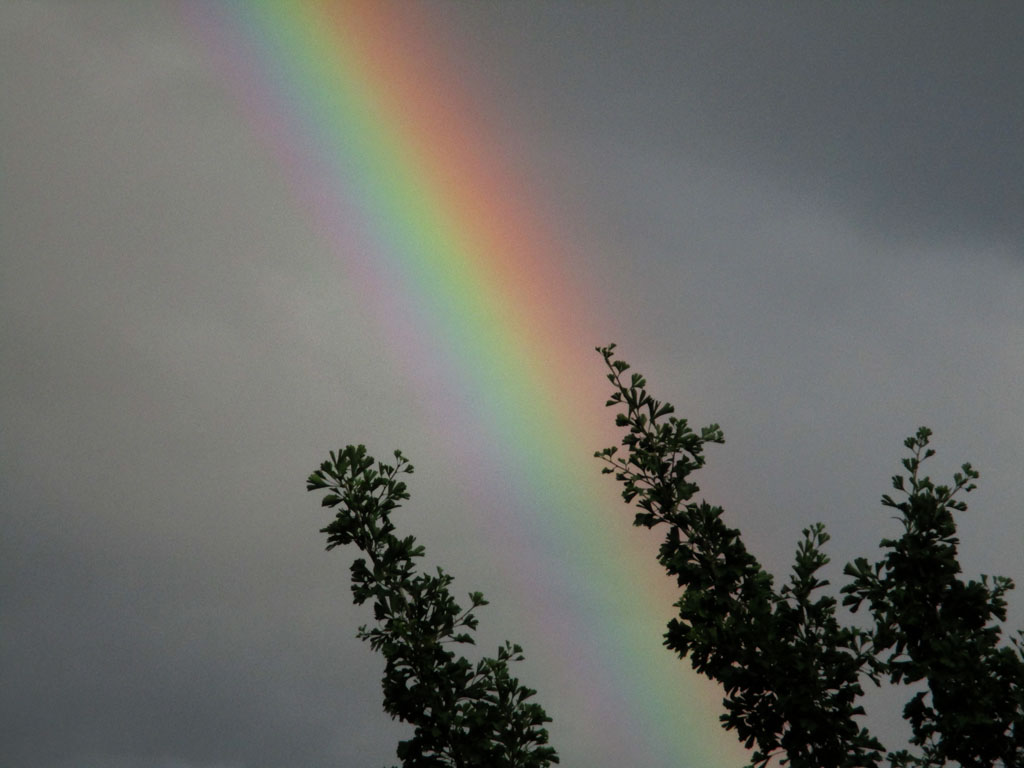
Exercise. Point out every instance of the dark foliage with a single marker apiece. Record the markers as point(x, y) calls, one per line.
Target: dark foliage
point(464, 714)
point(792, 673)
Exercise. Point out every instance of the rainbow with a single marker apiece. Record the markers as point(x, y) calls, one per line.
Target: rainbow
point(394, 166)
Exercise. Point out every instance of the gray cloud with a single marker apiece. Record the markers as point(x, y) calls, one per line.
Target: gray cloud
point(804, 221)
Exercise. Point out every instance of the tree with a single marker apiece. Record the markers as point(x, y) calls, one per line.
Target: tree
point(464, 715)
point(791, 672)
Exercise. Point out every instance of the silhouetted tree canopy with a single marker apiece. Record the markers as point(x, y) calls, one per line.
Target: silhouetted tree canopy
point(463, 714)
point(792, 674)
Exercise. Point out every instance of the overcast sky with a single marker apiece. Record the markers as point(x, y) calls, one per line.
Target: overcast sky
point(804, 221)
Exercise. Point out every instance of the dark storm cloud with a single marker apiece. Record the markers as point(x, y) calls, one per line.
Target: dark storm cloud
point(910, 115)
